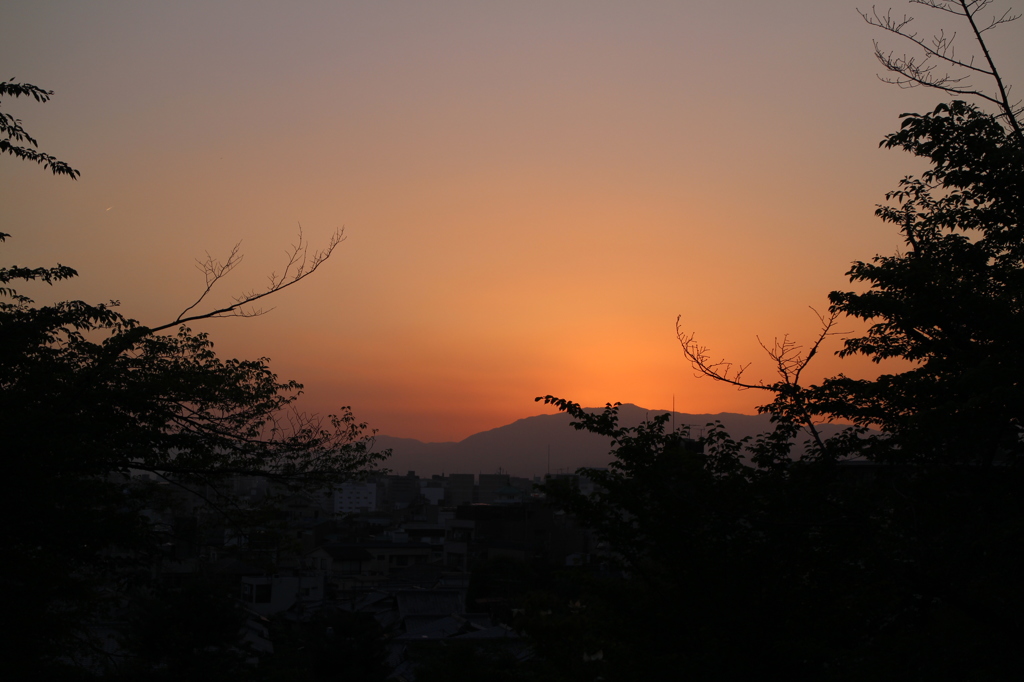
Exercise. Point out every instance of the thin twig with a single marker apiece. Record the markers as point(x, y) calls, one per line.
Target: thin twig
point(300, 265)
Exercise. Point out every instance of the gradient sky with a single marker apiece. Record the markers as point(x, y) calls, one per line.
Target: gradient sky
point(531, 191)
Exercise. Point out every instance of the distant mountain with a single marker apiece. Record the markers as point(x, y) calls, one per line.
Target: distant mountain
point(535, 445)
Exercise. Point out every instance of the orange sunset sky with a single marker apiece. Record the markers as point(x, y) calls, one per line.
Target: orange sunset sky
point(531, 191)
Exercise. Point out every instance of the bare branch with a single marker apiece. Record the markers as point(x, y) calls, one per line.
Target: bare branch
point(213, 270)
point(1008, 109)
point(700, 359)
point(911, 71)
point(300, 265)
point(790, 362)
point(785, 353)
point(941, 46)
point(828, 324)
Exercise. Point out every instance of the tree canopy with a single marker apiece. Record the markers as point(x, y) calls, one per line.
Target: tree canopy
point(90, 397)
point(952, 303)
point(891, 550)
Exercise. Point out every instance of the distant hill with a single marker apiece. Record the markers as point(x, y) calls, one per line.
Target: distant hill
point(522, 448)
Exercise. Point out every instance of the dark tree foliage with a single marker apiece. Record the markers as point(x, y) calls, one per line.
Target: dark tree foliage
point(719, 562)
point(469, 661)
point(872, 555)
point(331, 645)
point(89, 398)
point(11, 131)
point(131, 400)
point(952, 302)
point(801, 568)
point(190, 632)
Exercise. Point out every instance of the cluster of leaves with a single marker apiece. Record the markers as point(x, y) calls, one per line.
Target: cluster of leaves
point(697, 535)
point(186, 632)
point(803, 568)
point(135, 401)
point(331, 645)
point(952, 303)
point(886, 554)
point(11, 131)
point(90, 398)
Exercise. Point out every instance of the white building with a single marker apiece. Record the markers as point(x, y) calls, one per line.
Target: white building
point(352, 497)
point(270, 594)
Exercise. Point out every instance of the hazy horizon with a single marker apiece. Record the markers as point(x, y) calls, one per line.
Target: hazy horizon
point(653, 413)
point(546, 443)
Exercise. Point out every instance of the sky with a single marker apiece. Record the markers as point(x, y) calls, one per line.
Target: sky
point(531, 192)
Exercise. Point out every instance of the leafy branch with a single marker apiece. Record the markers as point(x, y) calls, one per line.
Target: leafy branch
point(11, 131)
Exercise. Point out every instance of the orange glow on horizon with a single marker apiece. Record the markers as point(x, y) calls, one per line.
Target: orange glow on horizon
point(531, 192)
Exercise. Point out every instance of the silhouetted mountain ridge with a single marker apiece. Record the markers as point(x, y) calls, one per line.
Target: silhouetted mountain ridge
point(535, 445)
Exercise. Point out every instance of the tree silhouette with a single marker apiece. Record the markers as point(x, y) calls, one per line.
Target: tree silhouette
point(958, 74)
point(12, 131)
point(952, 302)
point(90, 397)
point(889, 554)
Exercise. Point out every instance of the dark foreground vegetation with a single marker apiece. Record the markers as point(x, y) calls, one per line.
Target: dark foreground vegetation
point(889, 552)
point(893, 550)
point(89, 401)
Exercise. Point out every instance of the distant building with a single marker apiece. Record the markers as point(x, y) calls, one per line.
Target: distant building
point(579, 482)
point(524, 484)
point(400, 491)
point(354, 497)
point(432, 491)
point(270, 594)
point(489, 485)
point(459, 490)
point(508, 495)
point(529, 532)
